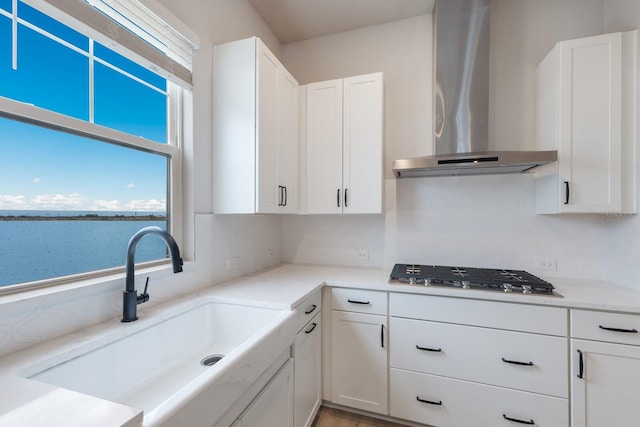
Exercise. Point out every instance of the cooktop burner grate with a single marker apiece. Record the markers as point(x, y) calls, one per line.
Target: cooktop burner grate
point(503, 280)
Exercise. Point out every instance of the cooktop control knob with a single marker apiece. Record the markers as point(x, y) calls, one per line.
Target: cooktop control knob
point(466, 284)
point(526, 289)
point(412, 280)
point(507, 287)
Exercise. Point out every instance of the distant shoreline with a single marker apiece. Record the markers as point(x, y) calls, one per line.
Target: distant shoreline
point(86, 217)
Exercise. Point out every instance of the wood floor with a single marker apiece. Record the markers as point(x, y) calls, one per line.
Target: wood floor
point(329, 417)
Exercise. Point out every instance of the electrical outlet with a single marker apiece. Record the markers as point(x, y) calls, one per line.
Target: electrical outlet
point(546, 263)
point(233, 263)
point(362, 255)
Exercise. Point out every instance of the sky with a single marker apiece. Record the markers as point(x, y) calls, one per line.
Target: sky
point(44, 169)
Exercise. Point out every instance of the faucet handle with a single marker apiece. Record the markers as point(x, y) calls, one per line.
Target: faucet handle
point(144, 296)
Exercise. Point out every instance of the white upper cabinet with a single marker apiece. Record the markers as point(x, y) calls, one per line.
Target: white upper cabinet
point(343, 143)
point(586, 91)
point(255, 131)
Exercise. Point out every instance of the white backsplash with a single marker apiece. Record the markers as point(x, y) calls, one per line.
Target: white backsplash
point(484, 221)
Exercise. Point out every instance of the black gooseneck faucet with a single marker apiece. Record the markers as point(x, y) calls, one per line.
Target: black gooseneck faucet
point(131, 299)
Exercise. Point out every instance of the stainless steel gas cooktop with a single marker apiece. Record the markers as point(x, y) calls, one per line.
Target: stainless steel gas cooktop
point(490, 279)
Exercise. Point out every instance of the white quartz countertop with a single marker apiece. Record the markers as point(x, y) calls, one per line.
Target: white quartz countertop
point(287, 285)
point(31, 403)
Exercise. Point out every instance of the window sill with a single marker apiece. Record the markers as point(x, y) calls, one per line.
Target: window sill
point(85, 283)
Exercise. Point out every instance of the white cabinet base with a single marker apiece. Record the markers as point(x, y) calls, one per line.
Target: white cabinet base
point(359, 361)
point(274, 405)
point(446, 402)
point(607, 394)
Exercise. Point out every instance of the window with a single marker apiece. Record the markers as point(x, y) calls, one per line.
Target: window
point(90, 151)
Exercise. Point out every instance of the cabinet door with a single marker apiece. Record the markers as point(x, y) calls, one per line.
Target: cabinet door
point(589, 154)
point(362, 144)
point(273, 406)
point(359, 361)
point(287, 142)
point(267, 194)
point(307, 374)
point(606, 395)
point(324, 147)
point(234, 126)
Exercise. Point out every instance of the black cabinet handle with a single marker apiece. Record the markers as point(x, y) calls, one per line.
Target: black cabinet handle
point(352, 301)
point(280, 196)
point(338, 198)
point(566, 192)
point(581, 365)
point(311, 309)
point(515, 420)
point(346, 205)
point(313, 326)
point(430, 402)
point(286, 196)
point(628, 331)
point(382, 336)
point(428, 349)
point(515, 362)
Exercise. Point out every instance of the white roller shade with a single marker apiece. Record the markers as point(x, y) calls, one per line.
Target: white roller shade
point(132, 29)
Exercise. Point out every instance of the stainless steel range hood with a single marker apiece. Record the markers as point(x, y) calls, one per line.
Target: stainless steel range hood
point(461, 56)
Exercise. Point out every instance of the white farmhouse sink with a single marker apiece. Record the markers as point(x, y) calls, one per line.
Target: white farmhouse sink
point(158, 369)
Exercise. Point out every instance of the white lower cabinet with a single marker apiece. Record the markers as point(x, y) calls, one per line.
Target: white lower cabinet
point(359, 345)
point(605, 377)
point(274, 405)
point(307, 367)
point(446, 402)
point(447, 374)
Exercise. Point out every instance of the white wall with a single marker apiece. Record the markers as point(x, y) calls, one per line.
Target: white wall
point(475, 221)
point(401, 50)
point(522, 33)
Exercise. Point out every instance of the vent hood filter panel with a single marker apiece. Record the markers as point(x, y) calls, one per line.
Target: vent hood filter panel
point(492, 162)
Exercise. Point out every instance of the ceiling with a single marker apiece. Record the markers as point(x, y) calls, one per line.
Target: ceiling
point(295, 20)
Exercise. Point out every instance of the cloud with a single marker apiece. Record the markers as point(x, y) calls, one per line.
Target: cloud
point(146, 205)
point(106, 205)
point(11, 202)
point(72, 201)
point(36, 180)
point(130, 185)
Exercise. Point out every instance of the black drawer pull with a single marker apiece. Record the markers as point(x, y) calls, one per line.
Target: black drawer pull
point(311, 310)
point(566, 192)
point(515, 362)
point(430, 402)
point(313, 326)
point(428, 349)
point(628, 331)
point(581, 365)
point(515, 420)
point(358, 302)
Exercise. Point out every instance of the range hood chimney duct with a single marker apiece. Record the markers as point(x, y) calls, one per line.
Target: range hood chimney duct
point(461, 89)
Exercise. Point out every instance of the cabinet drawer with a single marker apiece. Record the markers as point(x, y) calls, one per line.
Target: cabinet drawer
point(307, 308)
point(456, 403)
point(491, 314)
point(530, 362)
point(359, 301)
point(603, 326)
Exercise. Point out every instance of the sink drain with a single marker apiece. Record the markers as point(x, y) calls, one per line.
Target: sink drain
point(211, 360)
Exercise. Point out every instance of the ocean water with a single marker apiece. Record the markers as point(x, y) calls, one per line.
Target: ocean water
point(40, 249)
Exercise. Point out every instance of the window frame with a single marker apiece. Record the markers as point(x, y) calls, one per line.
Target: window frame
point(173, 150)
